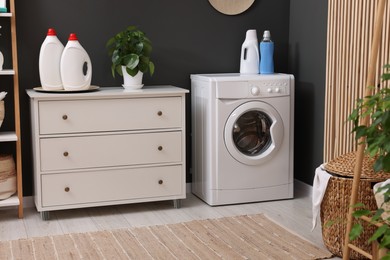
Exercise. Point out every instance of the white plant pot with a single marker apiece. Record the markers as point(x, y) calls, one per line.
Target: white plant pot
point(130, 82)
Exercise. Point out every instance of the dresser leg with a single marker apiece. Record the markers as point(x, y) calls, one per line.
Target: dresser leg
point(45, 215)
point(177, 204)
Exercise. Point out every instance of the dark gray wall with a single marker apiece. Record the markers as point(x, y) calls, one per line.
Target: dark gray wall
point(188, 37)
point(307, 61)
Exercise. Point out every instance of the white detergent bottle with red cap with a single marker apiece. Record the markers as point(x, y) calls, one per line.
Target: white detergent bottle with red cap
point(76, 66)
point(49, 62)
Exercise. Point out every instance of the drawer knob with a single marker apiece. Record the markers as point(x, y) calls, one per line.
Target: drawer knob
point(67, 189)
point(64, 117)
point(160, 148)
point(159, 113)
point(66, 154)
point(160, 182)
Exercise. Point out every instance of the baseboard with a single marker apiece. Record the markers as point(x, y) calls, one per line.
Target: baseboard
point(28, 202)
point(304, 188)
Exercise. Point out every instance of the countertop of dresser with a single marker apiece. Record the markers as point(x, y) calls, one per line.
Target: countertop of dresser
point(113, 92)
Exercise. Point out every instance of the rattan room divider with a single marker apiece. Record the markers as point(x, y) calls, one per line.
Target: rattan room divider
point(349, 39)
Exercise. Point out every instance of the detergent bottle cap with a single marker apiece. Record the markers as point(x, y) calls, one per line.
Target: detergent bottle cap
point(73, 37)
point(267, 35)
point(51, 32)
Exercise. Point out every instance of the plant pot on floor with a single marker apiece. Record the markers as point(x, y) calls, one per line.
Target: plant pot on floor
point(130, 82)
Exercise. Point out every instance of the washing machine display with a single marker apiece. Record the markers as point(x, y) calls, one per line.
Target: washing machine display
point(242, 137)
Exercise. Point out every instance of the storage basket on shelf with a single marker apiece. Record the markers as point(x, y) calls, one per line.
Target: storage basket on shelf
point(2, 112)
point(335, 204)
point(7, 176)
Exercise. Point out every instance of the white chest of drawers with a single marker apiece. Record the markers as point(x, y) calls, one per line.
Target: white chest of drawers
point(108, 147)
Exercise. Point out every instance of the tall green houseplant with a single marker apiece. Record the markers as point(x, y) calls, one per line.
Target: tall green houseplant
point(377, 133)
point(377, 138)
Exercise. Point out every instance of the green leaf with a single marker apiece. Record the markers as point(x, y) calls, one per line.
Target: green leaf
point(377, 215)
point(360, 131)
point(356, 230)
point(378, 164)
point(378, 233)
point(132, 72)
point(151, 67)
point(358, 205)
point(362, 212)
point(385, 241)
point(131, 61)
point(386, 162)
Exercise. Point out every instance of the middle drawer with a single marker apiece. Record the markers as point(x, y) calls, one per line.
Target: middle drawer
point(80, 152)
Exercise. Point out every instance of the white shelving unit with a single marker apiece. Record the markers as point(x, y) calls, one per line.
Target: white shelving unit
point(14, 136)
point(8, 137)
point(7, 72)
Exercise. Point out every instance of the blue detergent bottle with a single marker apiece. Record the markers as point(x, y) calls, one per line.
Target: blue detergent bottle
point(266, 54)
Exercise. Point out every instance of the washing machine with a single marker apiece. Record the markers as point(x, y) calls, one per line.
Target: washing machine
point(242, 137)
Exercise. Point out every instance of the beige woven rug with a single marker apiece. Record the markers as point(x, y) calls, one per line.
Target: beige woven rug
point(241, 237)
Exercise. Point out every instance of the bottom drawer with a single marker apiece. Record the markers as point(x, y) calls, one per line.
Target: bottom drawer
point(110, 185)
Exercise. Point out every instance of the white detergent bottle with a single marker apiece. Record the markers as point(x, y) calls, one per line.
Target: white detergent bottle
point(76, 66)
point(249, 63)
point(49, 61)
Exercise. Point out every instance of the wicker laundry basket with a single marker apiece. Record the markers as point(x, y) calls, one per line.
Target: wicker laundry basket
point(2, 112)
point(336, 201)
point(7, 176)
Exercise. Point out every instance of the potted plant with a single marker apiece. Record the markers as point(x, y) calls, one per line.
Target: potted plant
point(377, 138)
point(130, 52)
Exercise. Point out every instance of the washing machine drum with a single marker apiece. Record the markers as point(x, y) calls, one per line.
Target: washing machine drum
point(253, 133)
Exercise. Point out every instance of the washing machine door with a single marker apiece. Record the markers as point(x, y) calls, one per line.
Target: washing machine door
point(253, 132)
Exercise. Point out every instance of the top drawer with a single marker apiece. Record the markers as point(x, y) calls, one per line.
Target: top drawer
point(78, 116)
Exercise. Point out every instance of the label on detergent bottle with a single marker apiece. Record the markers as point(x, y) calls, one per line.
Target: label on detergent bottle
point(266, 54)
point(76, 66)
point(49, 62)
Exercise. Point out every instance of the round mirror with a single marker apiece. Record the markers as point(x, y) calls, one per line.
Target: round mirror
point(231, 7)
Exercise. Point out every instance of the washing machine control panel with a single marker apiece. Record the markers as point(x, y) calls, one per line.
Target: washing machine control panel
point(269, 88)
point(249, 87)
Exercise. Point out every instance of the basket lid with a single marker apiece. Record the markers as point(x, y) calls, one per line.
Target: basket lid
point(344, 165)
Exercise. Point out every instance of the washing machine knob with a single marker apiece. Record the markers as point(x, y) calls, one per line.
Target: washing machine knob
point(255, 91)
point(277, 90)
point(269, 90)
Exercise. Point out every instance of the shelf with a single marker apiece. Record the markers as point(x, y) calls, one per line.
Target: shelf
point(11, 201)
point(8, 137)
point(7, 72)
point(5, 14)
